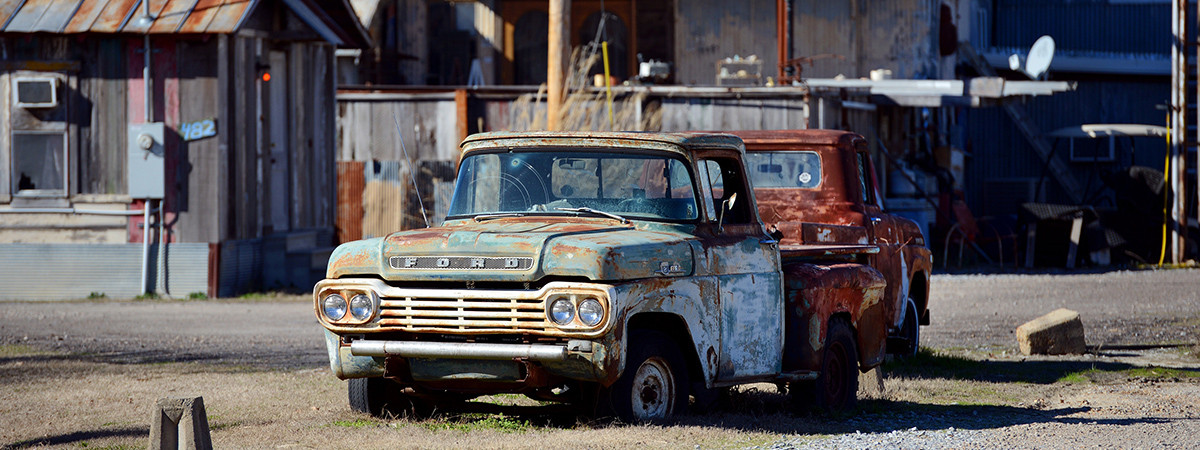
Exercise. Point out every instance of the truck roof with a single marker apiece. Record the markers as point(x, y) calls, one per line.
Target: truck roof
point(795, 139)
point(606, 138)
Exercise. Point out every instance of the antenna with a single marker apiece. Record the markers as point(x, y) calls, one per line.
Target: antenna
point(1038, 61)
point(1040, 56)
point(411, 163)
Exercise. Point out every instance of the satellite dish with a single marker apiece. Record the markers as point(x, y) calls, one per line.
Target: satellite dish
point(1040, 56)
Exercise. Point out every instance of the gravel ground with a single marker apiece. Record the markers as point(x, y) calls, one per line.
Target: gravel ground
point(1132, 318)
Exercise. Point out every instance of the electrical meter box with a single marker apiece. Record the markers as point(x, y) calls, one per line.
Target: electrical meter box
point(145, 169)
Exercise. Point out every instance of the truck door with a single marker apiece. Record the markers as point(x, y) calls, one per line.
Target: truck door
point(745, 261)
point(882, 231)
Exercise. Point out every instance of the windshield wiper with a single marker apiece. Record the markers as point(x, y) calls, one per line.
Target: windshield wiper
point(585, 209)
point(483, 217)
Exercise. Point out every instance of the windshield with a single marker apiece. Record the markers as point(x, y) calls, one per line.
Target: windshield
point(784, 169)
point(541, 182)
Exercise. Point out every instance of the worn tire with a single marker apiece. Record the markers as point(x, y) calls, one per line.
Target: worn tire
point(910, 331)
point(836, 388)
point(654, 385)
point(381, 397)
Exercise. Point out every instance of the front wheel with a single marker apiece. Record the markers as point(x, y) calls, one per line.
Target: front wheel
point(654, 385)
point(381, 397)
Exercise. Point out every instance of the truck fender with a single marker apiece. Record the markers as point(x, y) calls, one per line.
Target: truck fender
point(816, 293)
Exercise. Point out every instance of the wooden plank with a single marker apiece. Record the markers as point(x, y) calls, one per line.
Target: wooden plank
point(199, 202)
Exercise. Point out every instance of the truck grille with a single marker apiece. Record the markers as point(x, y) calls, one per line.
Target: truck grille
point(474, 314)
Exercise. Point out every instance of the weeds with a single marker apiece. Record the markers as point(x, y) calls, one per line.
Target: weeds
point(357, 423)
point(197, 296)
point(474, 422)
point(96, 295)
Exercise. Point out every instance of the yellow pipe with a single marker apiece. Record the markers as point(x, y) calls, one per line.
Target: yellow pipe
point(1162, 251)
point(608, 85)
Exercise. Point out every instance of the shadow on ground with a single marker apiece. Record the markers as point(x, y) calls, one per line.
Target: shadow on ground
point(80, 438)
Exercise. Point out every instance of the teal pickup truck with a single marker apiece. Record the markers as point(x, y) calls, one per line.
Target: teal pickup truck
point(625, 271)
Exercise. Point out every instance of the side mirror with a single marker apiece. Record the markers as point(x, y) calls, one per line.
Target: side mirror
point(726, 205)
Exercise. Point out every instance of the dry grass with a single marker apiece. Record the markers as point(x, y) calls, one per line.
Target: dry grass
point(64, 401)
point(585, 109)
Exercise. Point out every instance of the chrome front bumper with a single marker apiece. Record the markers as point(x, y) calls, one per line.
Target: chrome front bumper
point(457, 350)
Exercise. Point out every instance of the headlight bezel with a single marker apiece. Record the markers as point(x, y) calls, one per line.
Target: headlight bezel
point(368, 301)
point(597, 303)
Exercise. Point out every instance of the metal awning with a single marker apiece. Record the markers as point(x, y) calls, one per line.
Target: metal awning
point(973, 92)
point(1099, 130)
point(165, 17)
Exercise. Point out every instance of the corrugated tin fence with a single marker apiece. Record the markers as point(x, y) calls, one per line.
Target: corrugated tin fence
point(112, 271)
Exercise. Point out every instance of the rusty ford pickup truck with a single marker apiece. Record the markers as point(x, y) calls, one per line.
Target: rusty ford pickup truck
point(625, 271)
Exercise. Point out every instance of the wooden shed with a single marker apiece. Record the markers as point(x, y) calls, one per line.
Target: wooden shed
point(214, 119)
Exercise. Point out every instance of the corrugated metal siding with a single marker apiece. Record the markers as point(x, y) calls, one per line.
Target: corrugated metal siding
point(709, 30)
point(999, 150)
point(114, 270)
point(241, 267)
point(1084, 26)
point(122, 16)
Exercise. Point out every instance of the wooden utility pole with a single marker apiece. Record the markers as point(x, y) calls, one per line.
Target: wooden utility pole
point(556, 60)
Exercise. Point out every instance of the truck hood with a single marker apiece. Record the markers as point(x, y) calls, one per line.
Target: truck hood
point(520, 250)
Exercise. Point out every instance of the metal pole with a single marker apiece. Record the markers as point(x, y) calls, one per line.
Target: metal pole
point(146, 247)
point(556, 61)
point(1178, 126)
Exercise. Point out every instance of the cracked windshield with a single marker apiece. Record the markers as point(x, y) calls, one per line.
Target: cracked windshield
point(630, 185)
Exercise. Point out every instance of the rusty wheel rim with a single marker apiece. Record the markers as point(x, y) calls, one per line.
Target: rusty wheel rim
point(653, 390)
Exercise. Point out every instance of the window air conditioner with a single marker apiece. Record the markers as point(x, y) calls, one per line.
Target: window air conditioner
point(29, 92)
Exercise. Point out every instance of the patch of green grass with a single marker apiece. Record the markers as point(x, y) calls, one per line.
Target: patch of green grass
point(1147, 373)
point(1159, 373)
point(357, 423)
point(147, 296)
point(473, 422)
point(96, 295)
point(197, 296)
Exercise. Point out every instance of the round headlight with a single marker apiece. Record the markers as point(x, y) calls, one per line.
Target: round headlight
point(562, 311)
point(334, 307)
point(591, 312)
point(361, 307)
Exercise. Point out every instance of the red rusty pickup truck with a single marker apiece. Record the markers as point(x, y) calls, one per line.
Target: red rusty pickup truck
point(818, 187)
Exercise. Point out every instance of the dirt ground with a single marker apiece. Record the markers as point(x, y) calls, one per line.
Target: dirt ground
point(86, 374)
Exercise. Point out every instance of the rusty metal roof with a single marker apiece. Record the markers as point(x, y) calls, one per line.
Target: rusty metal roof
point(166, 17)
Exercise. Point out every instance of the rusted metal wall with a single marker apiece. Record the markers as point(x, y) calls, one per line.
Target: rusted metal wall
point(710, 30)
point(865, 35)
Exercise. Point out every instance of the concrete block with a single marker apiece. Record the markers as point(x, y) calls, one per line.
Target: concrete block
point(180, 423)
point(1057, 333)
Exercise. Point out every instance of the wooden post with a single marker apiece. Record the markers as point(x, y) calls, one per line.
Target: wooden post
point(556, 60)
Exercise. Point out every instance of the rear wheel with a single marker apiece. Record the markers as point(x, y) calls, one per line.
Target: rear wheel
point(381, 397)
point(836, 388)
point(654, 385)
point(908, 342)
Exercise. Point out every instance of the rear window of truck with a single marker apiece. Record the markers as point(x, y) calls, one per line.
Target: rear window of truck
point(784, 169)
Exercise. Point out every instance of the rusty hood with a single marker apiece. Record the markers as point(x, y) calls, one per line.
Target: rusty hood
point(521, 250)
